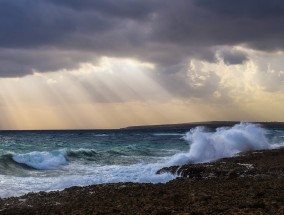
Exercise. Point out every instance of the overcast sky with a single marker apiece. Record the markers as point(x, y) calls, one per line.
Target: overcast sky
point(113, 63)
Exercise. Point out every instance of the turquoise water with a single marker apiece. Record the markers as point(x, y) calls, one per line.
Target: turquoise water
point(32, 161)
point(88, 147)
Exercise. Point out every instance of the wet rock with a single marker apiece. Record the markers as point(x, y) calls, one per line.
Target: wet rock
point(226, 186)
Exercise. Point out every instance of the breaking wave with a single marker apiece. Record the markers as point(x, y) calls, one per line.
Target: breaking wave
point(129, 158)
point(42, 160)
point(208, 146)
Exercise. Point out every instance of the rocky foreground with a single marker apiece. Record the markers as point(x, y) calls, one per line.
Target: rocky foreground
point(251, 183)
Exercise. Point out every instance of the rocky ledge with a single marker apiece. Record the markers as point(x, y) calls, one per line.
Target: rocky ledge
point(251, 183)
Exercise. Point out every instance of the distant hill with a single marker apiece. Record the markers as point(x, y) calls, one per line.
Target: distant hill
point(210, 124)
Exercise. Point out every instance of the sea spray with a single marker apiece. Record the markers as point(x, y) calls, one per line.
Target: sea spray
point(42, 160)
point(54, 160)
point(208, 146)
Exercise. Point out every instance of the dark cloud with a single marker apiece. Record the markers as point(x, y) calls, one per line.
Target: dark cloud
point(213, 22)
point(164, 32)
point(233, 56)
point(260, 9)
point(21, 62)
point(132, 9)
point(33, 24)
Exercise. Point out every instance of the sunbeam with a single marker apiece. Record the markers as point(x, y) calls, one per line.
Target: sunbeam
point(117, 92)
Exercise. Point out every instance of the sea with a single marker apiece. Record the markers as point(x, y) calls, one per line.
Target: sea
point(33, 161)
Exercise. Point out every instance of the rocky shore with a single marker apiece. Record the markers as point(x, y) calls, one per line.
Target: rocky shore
point(251, 183)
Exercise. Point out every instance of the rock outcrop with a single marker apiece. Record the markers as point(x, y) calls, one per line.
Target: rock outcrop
point(251, 183)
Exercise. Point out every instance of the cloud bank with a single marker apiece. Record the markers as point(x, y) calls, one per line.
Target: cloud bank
point(34, 34)
point(213, 50)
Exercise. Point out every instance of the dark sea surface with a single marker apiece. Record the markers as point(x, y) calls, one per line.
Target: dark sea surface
point(32, 161)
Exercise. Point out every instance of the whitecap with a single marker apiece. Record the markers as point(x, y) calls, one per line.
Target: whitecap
point(42, 160)
point(208, 146)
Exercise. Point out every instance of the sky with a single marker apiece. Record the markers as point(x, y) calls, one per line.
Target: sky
point(92, 64)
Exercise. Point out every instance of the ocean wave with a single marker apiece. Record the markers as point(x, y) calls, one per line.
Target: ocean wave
point(123, 161)
point(167, 134)
point(81, 153)
point(140, 173)
point(101, 135)
point(10, 167)
point(93, 155)
point(208, 146)
point(116, 155)
point(53, 160)
point(42, 160)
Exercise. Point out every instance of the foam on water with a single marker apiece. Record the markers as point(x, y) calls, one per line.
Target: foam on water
point(62, 168)
point(142, 173)
point(224, 142)
point(42, 160)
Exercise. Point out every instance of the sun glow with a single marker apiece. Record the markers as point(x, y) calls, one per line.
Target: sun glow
point(90, 97)
point(115, 93)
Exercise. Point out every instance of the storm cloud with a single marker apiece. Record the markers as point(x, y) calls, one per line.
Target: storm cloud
point(52, 35)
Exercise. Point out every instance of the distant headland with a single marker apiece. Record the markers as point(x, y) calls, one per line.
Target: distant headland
point(208, 124)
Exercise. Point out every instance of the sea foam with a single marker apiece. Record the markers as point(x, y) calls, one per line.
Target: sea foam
point(84, 168)
point(42, 160)
point(208, 146)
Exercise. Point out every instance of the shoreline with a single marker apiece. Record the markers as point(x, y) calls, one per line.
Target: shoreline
point(208, 124)
point(251, 182)
point(174, 126)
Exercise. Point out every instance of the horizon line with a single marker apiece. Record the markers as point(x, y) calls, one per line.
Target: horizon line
point(131, 127)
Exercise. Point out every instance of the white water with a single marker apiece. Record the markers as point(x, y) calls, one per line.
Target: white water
point(225, 142)
point(42, 160)
point(203, 146)
point(141, 173)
